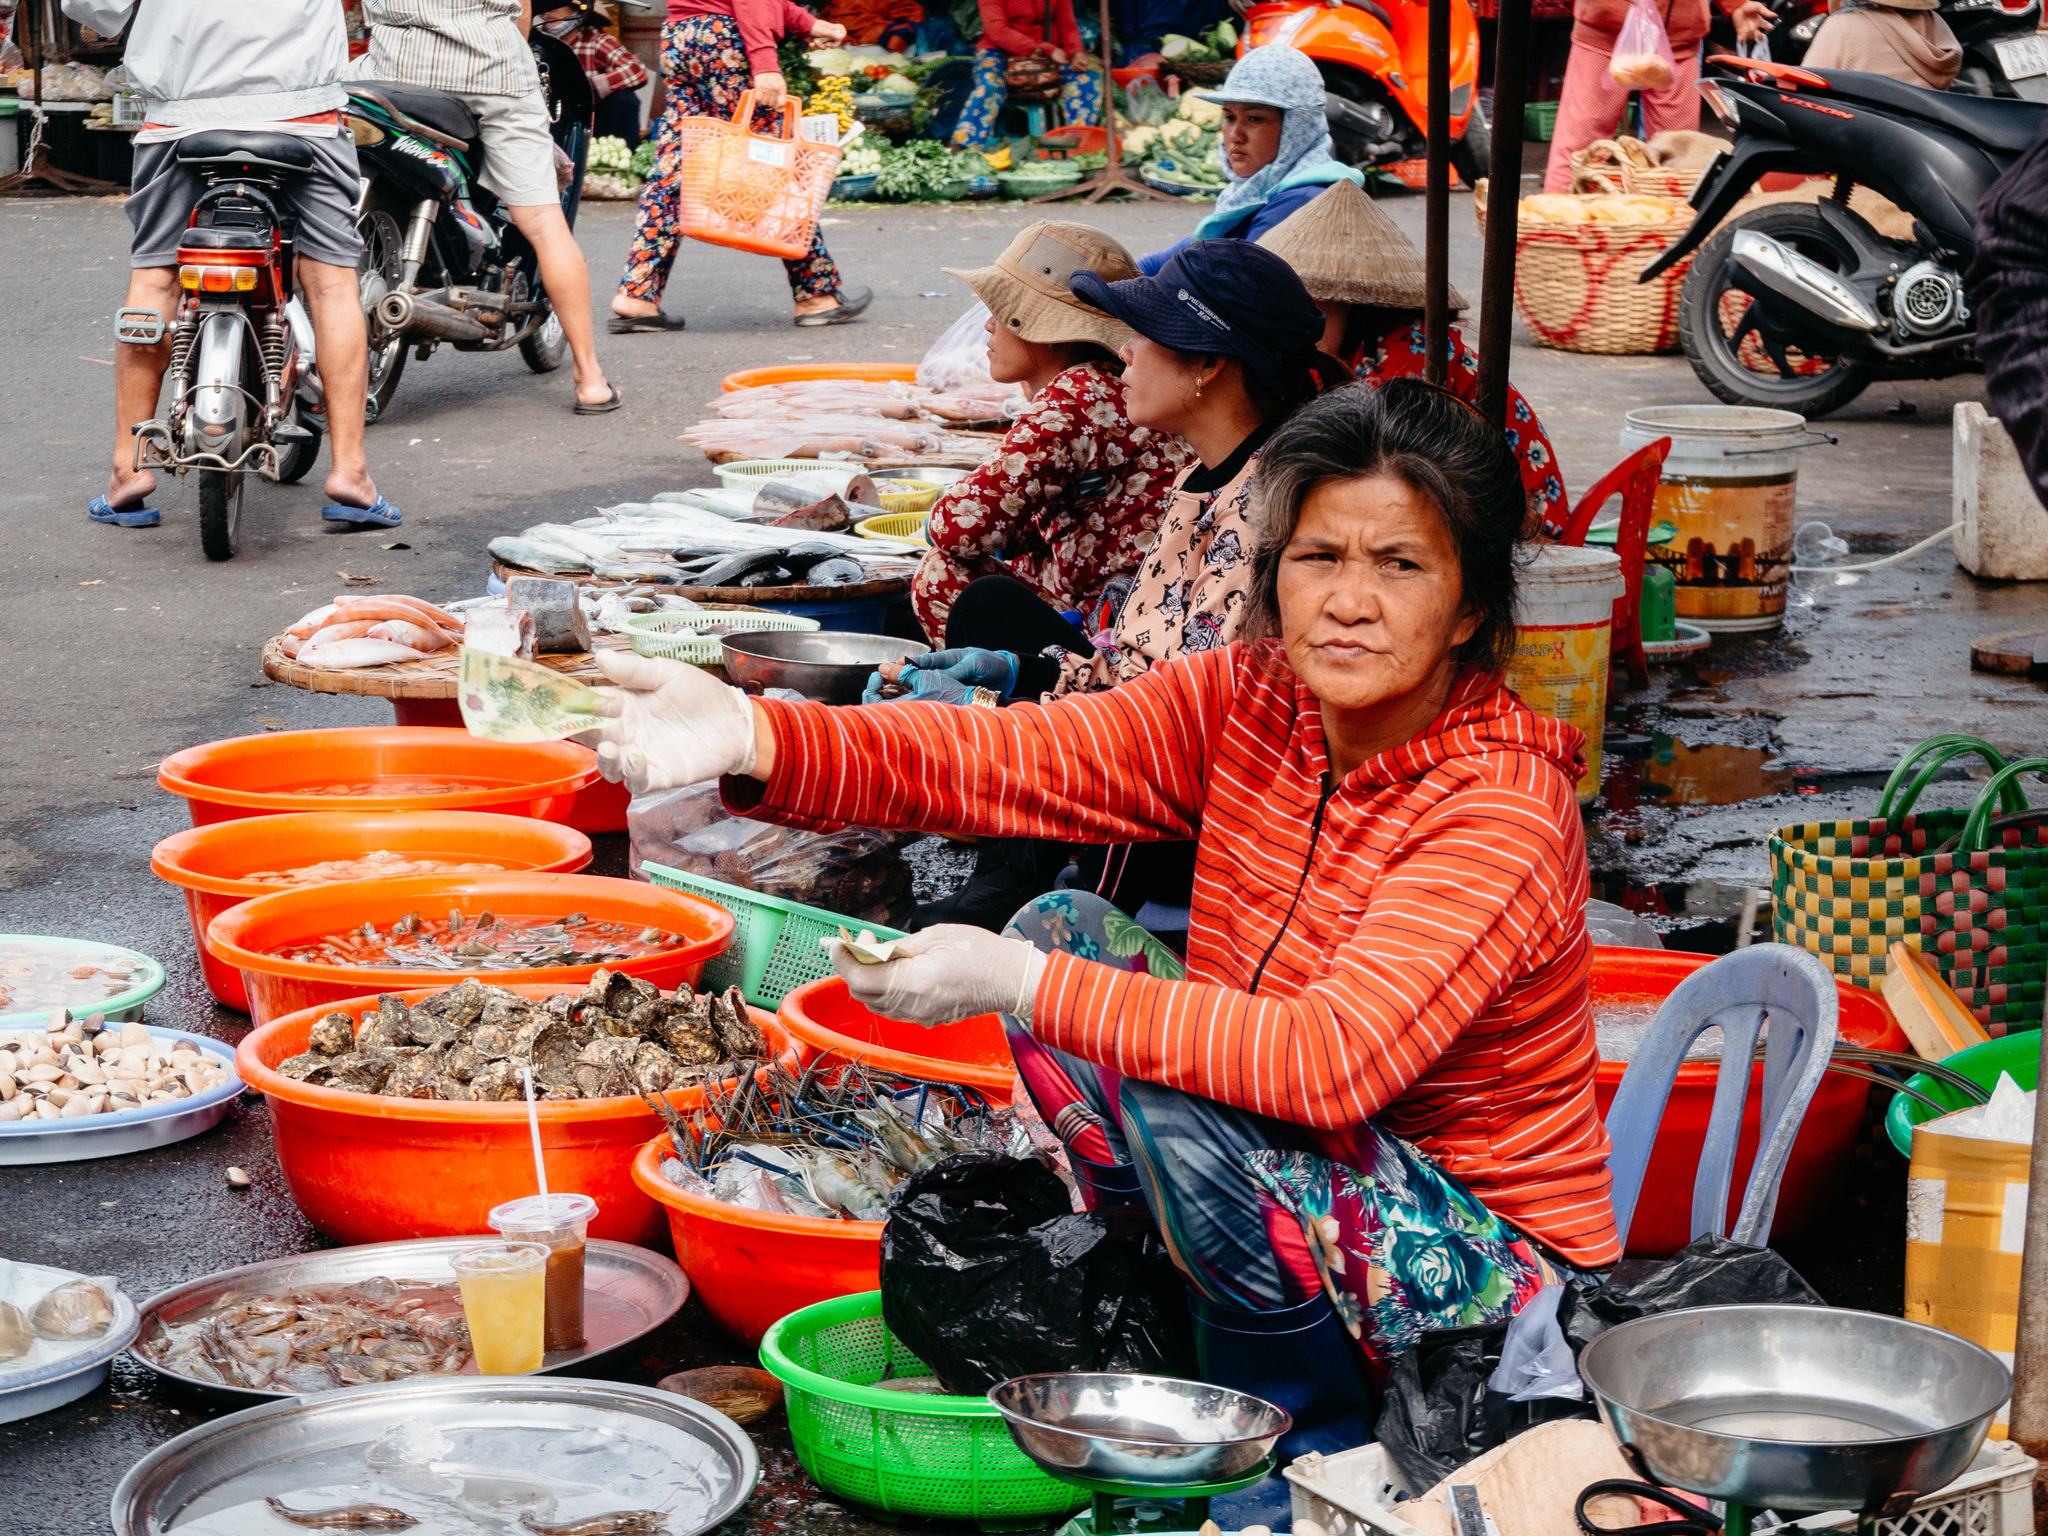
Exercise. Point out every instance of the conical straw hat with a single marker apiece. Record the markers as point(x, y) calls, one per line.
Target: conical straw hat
point(1344, 249)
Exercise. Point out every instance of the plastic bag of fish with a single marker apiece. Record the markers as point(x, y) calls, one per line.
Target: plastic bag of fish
point(46, 1314)
point(832, 1143)
point(472, 1043)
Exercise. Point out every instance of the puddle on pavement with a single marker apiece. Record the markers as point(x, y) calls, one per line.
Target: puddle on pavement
point(1647, 767)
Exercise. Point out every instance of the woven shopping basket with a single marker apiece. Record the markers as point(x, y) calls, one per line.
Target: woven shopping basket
point(759, 192)
point(1576, 289)
point(1968, 888)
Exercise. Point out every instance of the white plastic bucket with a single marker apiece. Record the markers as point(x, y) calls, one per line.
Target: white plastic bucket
point(1564, 610)
point(1729, 484)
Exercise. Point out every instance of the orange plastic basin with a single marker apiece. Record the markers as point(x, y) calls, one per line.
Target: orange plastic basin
point(367, 1169)
point(600, 808)
point(267, 775)
point(244, 936)
point(824, 1017)
point(798, 373)
point(207, 862)
point(1821, 1157)
point(750, 1268)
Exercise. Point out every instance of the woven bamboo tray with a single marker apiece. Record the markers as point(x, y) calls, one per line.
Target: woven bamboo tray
point(432, 677)
point(1576, 289)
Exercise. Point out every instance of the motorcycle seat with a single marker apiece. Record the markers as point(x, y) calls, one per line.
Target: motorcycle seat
point(437, 109)
point(246, 154)
point(1995, 122)
point(220, 237)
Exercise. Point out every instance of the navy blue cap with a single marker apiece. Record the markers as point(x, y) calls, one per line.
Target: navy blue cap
point(1227, 297)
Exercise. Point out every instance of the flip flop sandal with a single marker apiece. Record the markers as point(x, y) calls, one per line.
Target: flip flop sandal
point(845, 310)
point(601, 407)
point(379, 514)
point(626, 325)
point(102, 511)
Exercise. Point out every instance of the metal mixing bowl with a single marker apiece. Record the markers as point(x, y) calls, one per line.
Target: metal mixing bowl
point(1147, 1430)
point(827, 666)
point(1796, 1409)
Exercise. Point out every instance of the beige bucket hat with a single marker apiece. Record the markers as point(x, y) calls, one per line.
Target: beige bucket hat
point(1026, 290)
point(1347, 251)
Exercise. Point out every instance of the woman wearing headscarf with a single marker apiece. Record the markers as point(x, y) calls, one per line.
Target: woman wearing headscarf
point(1366, 278)
point(1905, 39)
point(1275, 145)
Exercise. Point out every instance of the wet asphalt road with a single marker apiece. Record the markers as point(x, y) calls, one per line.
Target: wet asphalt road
point(126, 646)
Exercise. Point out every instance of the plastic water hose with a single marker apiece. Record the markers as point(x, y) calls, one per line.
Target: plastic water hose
point(1876, 565)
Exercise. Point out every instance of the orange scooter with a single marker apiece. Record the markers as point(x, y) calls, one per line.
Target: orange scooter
point(1374, 58)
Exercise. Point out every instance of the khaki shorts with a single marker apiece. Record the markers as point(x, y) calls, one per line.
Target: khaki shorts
point(519, 152)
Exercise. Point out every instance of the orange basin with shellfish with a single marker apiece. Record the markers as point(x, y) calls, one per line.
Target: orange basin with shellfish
point(369, 1169)
point(249, 935)
point(210, 864)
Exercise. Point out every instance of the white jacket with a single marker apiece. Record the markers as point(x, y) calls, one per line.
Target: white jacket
point(227, 61)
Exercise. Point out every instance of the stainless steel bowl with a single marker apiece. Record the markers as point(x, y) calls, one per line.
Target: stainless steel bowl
point(1797, 1409)
point(1147, 1430)
point(640, 1447)
point(827, 666)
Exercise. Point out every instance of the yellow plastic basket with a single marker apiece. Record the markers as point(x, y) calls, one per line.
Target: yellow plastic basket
point(917, 499)
point(894, 525)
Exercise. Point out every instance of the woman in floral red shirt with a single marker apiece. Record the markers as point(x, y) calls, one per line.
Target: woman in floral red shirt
point(1071, 501)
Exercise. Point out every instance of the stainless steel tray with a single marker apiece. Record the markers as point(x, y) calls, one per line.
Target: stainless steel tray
point(132, 1130)
point(628, 1293)
point(644, 1448)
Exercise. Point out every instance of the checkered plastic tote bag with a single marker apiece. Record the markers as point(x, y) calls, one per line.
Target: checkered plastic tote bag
point(1969, 888)
point(759, 192)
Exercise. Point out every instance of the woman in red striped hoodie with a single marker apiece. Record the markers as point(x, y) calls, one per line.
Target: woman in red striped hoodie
point(1366, 1110)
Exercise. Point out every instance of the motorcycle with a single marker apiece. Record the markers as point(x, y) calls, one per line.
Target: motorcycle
point(243, 391)
point(2000, 54)
point(441, 260)
point(1374, 59)
point(1801, 306)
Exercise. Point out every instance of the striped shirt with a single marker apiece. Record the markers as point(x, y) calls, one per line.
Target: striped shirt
point(472, 47)
point(1408, 948)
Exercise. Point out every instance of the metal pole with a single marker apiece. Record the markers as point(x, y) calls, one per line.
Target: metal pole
point(1504, 195)
point(2028, 1426)
point(1436, 304)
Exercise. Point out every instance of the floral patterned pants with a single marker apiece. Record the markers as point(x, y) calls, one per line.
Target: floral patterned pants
point(1080, 98)
point(1254, 1214)
point(704, 70)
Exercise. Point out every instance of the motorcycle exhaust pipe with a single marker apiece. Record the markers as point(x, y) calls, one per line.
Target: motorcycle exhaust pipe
point(407, 316)
point(1805, 282)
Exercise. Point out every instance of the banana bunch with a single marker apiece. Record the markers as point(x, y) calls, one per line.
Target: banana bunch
point(834, 94)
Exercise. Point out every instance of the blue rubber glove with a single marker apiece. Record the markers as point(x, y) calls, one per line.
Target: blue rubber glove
point(950, 677)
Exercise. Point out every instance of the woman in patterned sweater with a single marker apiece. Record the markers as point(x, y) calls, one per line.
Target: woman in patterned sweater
point(1364, 1109)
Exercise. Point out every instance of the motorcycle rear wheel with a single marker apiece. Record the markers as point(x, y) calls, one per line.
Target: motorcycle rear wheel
point(299, 458)
point(1717, 322)
point(548, 347)
point(378, 271)
point(1473, 154)
point(220, 512)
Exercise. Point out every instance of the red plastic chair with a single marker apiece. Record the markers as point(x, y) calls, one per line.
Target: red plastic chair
point(1635, 480)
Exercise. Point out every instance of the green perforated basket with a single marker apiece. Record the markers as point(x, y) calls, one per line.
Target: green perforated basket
point(680, 637)
point(947, 1458)
point(774, 945)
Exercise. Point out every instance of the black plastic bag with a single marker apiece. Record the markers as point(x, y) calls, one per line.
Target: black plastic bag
point(1437, 1412)
point(988, 1273)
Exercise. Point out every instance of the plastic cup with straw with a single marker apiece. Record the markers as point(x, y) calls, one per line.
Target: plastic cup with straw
point(559, 1223)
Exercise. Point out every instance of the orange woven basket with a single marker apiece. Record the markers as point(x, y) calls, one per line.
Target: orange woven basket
point(759, 192)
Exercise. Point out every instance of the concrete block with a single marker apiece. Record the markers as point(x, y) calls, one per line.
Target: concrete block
point(2005, 528)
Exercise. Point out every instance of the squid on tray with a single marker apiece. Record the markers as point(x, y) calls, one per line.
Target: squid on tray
point(371, 632)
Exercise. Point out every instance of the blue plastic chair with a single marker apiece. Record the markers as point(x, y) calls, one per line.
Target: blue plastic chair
point(1797, 992)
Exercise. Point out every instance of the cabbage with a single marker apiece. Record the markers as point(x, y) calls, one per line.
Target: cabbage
point(896, 85)
point(831, 61)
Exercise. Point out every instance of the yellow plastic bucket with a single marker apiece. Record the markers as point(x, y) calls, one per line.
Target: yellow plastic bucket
point(1564, 612)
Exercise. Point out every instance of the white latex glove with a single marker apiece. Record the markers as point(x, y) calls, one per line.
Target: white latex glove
point(670, 724)
point(946, 974)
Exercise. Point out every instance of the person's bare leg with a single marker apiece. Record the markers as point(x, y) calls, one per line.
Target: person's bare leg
point(138, 380)
point(342, 347)
point(567, 281)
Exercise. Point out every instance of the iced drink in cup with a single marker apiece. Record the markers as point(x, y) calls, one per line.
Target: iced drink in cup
point(559, 1224)
point(504, 1299)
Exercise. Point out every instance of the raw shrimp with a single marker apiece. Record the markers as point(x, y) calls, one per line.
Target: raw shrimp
point(624, 1522)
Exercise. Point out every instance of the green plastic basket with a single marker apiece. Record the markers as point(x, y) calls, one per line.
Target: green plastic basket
point(774, 947)
point(946, 1458)
point(675, 635)
point(1539, 120)
point(746, 474)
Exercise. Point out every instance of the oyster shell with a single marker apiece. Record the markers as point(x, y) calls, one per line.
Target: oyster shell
point(591, 1080)
point(648, 1019)
point(498, 1082)
point(334, 1035)
point(453, 1090)
point(463, 1061)
point(17, 1338)
point(613, 1050)
point(491, 1041)
point(362, 1071)
point(552, 1047)
point(654, 1069)
point(737, 1031)
point(389, 1027)
point(433, 1028)
point(691, 1037)
point(460, 1004)
point(309, 1067)
point(507, 1009)
point(412, 1077)
point(75, 1310)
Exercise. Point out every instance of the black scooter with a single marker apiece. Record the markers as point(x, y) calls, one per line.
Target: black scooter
point(2000, 54)
point(1801, 306)
point(441, 261)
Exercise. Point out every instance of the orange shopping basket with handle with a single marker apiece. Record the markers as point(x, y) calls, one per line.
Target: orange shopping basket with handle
point(758, 192)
